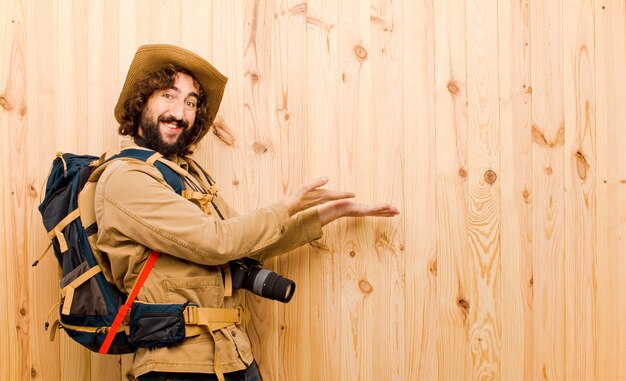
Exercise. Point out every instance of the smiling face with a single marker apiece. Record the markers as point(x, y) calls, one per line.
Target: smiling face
point(169, 115)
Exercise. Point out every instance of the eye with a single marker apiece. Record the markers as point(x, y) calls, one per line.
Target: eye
point(168, 96)
point(191, 104)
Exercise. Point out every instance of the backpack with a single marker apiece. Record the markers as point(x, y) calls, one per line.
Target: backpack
point(89, 304)
point(94, 312)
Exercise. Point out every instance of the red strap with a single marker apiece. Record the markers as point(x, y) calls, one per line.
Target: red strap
point(121, 313)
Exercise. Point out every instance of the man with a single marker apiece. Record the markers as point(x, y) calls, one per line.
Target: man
point(167, 104)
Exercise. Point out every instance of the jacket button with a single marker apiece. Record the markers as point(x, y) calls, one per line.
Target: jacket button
point(233, 333)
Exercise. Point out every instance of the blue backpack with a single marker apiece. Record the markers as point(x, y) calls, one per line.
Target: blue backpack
point(89, 303)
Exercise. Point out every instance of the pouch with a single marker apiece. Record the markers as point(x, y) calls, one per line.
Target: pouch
point(156, 325)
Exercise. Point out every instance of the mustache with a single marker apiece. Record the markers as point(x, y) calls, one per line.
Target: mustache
point(171, 119)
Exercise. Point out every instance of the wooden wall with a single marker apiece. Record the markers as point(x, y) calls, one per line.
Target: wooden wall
point(497, 127)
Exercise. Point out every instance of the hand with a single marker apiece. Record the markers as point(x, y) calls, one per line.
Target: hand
point(345, 208)
point(310, 195)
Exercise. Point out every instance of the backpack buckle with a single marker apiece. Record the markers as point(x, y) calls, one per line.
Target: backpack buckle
point(191, 315)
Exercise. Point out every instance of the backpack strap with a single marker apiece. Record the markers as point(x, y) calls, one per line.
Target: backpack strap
point(171, 172)
point(123, 311)
point(199, 320)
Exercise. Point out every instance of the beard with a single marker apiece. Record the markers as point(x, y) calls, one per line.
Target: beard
point(154, 140)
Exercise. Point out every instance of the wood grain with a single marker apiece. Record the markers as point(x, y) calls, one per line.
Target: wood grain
point(483, 166)
point(260, 150)
point(388, 295)
point(41, 112)
point(548, 190)
point(323, 154)
point(580, 183)
point(516, 259)
point(496, 128)
point(290, 117)
point(356, 141)
point(610, 90)
point(454, 280)
point(17, 197)
point(418, 204)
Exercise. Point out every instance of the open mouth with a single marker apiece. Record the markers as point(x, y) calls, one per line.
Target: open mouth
point(171, 125)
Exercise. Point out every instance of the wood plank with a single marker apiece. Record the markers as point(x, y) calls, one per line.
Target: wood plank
point(580, 183)
point(356, 161)
point(158, 22)
point(228, 143)
point(259, 141)
point(454, 282)
point(103, 82)
point(322, 99)
point(128, 43)
point(548, 198)
point(516, 299)
point(610, 90)
point(42, 105)
point(418, 205)
point(388, 281)
point(101, 128)
point(289, 56)
point(69, 26)
point(483, 165)
point(17, 198)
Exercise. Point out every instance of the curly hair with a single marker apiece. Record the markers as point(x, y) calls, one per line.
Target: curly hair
point(159, 80)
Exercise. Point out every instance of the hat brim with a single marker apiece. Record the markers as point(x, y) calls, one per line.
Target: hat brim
point(151, 58)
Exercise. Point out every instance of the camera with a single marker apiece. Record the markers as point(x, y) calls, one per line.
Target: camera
point(248, 274)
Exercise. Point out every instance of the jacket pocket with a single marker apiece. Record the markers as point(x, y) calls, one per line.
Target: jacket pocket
point(204, 291)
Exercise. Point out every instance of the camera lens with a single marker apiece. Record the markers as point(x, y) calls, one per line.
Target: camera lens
point(269, 284)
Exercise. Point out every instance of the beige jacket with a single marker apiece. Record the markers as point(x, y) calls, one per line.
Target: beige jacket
point(137, 210)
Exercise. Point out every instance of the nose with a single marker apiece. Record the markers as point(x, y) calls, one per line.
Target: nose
point(178, 110)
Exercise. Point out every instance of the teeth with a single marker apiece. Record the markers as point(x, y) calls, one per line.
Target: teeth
point(171, 126)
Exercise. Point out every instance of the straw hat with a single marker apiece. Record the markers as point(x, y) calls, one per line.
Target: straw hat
point(150, 58)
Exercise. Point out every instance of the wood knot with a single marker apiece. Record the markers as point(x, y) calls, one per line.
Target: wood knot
point(33, 373)
point(283, 115)
point(526, 196)
point(490, 177)
point(32, 192)
point(259, 148)
point(548, 171)
point(453, 88)
point(463, 173)
point(222, 133)
point(463, 304)
point(236, 182)
point(360, 52)
point(23, 311)
point(254, 77)
point(433, 268)
point(365, 286)
point(5, 103)
point(581, 165)
point(401, 247)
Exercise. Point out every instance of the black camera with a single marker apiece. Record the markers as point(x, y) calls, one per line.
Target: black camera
point(248, 274)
